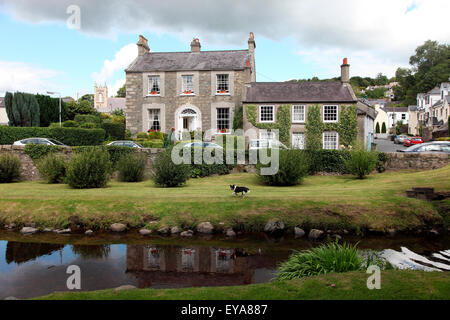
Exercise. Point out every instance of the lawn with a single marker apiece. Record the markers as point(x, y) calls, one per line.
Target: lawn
point(333, 202)
point(395, 285)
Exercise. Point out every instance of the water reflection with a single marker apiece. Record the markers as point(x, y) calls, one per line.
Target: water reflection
point(20, 252)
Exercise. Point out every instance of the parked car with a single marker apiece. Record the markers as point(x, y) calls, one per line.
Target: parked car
point(412, 141)
point(400, 138)
point(44, 141)
point(203, 144)
point(435, 146)
point(125, 143)
point(256, 144)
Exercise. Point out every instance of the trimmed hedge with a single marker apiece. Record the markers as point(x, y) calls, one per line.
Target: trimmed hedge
point(114, 131)
point(68, 136)
point(38, 151)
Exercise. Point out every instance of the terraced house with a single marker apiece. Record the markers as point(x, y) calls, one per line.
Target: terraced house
point(195, 90)
point(201, 90)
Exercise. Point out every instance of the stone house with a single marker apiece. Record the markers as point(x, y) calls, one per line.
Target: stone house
point(187, 91)
point(366, 120)
point(264, 103)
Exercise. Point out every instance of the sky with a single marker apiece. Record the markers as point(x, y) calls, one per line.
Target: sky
point(66, 45)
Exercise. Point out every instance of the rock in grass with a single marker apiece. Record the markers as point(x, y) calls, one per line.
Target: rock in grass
point(299, 232)
point(274, 226)
point(175, 230)
point(164, 230)
point(187, 234)
point(47, 230)
point(230, 233)
point(125, 287)
point(391, 232)
point(205, 228)
point(145, 232)
point(118, 227)
point(28, 230)
point(89, 232)
point(63, 231)
point(315, 234)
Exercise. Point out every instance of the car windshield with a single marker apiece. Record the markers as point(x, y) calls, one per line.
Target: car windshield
point(56, 142)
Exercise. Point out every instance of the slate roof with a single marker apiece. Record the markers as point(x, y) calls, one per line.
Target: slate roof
point(364, 108)
point(116, 103)
point(412, 108)
point(396, 109)
point(307, 92)
point(435, 90)
point(191, 61)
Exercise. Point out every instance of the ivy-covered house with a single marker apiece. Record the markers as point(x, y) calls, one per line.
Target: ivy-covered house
point(308, 115)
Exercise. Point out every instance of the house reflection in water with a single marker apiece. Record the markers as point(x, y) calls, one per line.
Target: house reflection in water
point(172, 267)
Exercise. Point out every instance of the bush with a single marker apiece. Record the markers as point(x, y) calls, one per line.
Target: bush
point(69, 124)
point(168, 174)
point(443, 139)
point(155, 135)
point(142, 135)
point(381, 162)
point(332, 161)
point(88, 118)
point(150, 143)
point(89, 169)
point(131, 167)
point(361, 161)
point(38, 151)
point(68, 136)
point(331, 257)
point(52, 168)
point(115, 152)
point(114, 131)
point(293, 167)
point(88, 125)
point(9, 168)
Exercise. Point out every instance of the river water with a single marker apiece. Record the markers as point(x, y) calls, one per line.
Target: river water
point(36, 265)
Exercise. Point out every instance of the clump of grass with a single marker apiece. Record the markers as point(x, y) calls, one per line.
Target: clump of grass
point(332, 257)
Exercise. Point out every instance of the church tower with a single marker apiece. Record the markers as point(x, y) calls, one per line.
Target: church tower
point(100, 97)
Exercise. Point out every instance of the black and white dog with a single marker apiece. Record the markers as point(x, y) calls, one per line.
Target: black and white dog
point(237, 190)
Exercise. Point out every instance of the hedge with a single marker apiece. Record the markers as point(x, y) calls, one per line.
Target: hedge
point(114, 131)
point(68, 136)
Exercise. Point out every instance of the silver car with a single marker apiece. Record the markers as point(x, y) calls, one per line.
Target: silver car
point(435, 146)
point(44, 141)
point(125, 143)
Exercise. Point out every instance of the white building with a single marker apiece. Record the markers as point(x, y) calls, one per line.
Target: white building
point(3, 116)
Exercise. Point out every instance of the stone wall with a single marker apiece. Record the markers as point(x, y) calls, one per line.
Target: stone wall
point(30, 172)
point(417, 161)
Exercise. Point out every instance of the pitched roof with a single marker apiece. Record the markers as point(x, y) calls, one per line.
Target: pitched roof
point(191, 61)
point(116, 103)
point(396, 109)
point(310, 91)
point(364, 108)
point(412, 108)
point(435, 90)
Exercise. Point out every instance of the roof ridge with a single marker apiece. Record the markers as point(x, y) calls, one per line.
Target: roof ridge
point(165, 52)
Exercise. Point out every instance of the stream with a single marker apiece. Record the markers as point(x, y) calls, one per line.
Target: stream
point(36, 265)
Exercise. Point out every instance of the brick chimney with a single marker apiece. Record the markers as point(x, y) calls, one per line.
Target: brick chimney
point(143, 47)
point(195, 45)
point(345, 71)
point(251, 50)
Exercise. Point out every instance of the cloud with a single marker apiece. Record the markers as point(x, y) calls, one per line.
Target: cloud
point(122, 59)
point(386, 31)
point(116, 86)
point(20, 76)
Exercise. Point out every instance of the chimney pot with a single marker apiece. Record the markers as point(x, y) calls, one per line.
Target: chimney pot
point(345, 71)
point(345, 61)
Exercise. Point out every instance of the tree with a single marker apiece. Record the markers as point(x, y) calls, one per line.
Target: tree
point(383, 127)
point(89, 98)
point(377, 128)
point(22, 109)
point(381, 80)
point(122, 92)
point(377, 93)
point(49, 110)
point(9, 110)
point(82, 107)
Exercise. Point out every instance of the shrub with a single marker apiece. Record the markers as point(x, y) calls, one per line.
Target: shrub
point(89, 169)
point(115, 152)
point(381, 162)
point(361, 161)
point(68, 136)
point(155, 135)
point(88, 125)
point(443, 139)
point(168, 174)
point(38, 151)
point(383, 127)
point(88, 118)
point(293, 167)
point(151, 143)
point(52, 168)
point(377, 128)
point(142, 135)
point(331, 257)
point(9, 168)
point(131, 167)
point(332, 161)
point(69, 124)
point(114, 131)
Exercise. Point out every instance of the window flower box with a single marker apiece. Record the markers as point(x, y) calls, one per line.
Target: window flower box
point(223, 91)
point(188, 92)
point(154, 93)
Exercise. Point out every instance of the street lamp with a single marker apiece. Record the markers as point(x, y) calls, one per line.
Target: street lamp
point(52, 93)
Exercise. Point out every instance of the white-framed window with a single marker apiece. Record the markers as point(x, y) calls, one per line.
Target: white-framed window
point(330, 113)
point(298, 140)
point(154, 118)
point(154, 86)
point(222, 84)
point(330, 140)
point(266, 114)
point(223, 120)
point(267, 135)
point(403, 116)
point(187, 84)
point(298, 113)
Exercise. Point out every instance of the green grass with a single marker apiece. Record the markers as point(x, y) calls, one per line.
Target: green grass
point(333, 202)
point(395, 285)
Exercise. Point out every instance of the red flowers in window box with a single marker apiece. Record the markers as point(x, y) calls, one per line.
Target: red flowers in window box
point(151, 130)
point(188, 92)
point(223, 91)
point(224, 131)
point(154, 93)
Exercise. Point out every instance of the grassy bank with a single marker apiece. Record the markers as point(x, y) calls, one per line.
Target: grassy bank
point(332, 202)
point(395, 285)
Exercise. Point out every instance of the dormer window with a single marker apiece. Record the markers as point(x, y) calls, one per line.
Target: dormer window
point(223, 84)
point(154, 87)
point(187, 84)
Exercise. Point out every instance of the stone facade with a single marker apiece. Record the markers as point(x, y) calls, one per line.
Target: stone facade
point(417, 161)
point(171, 103)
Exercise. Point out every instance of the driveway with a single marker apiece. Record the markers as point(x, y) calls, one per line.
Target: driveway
point(384, 145)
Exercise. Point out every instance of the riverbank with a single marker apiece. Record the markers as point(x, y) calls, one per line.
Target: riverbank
point(377, 203)
point(395, 285)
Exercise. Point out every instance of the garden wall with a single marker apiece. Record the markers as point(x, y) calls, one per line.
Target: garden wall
point(31, 173)
point(419, 161)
